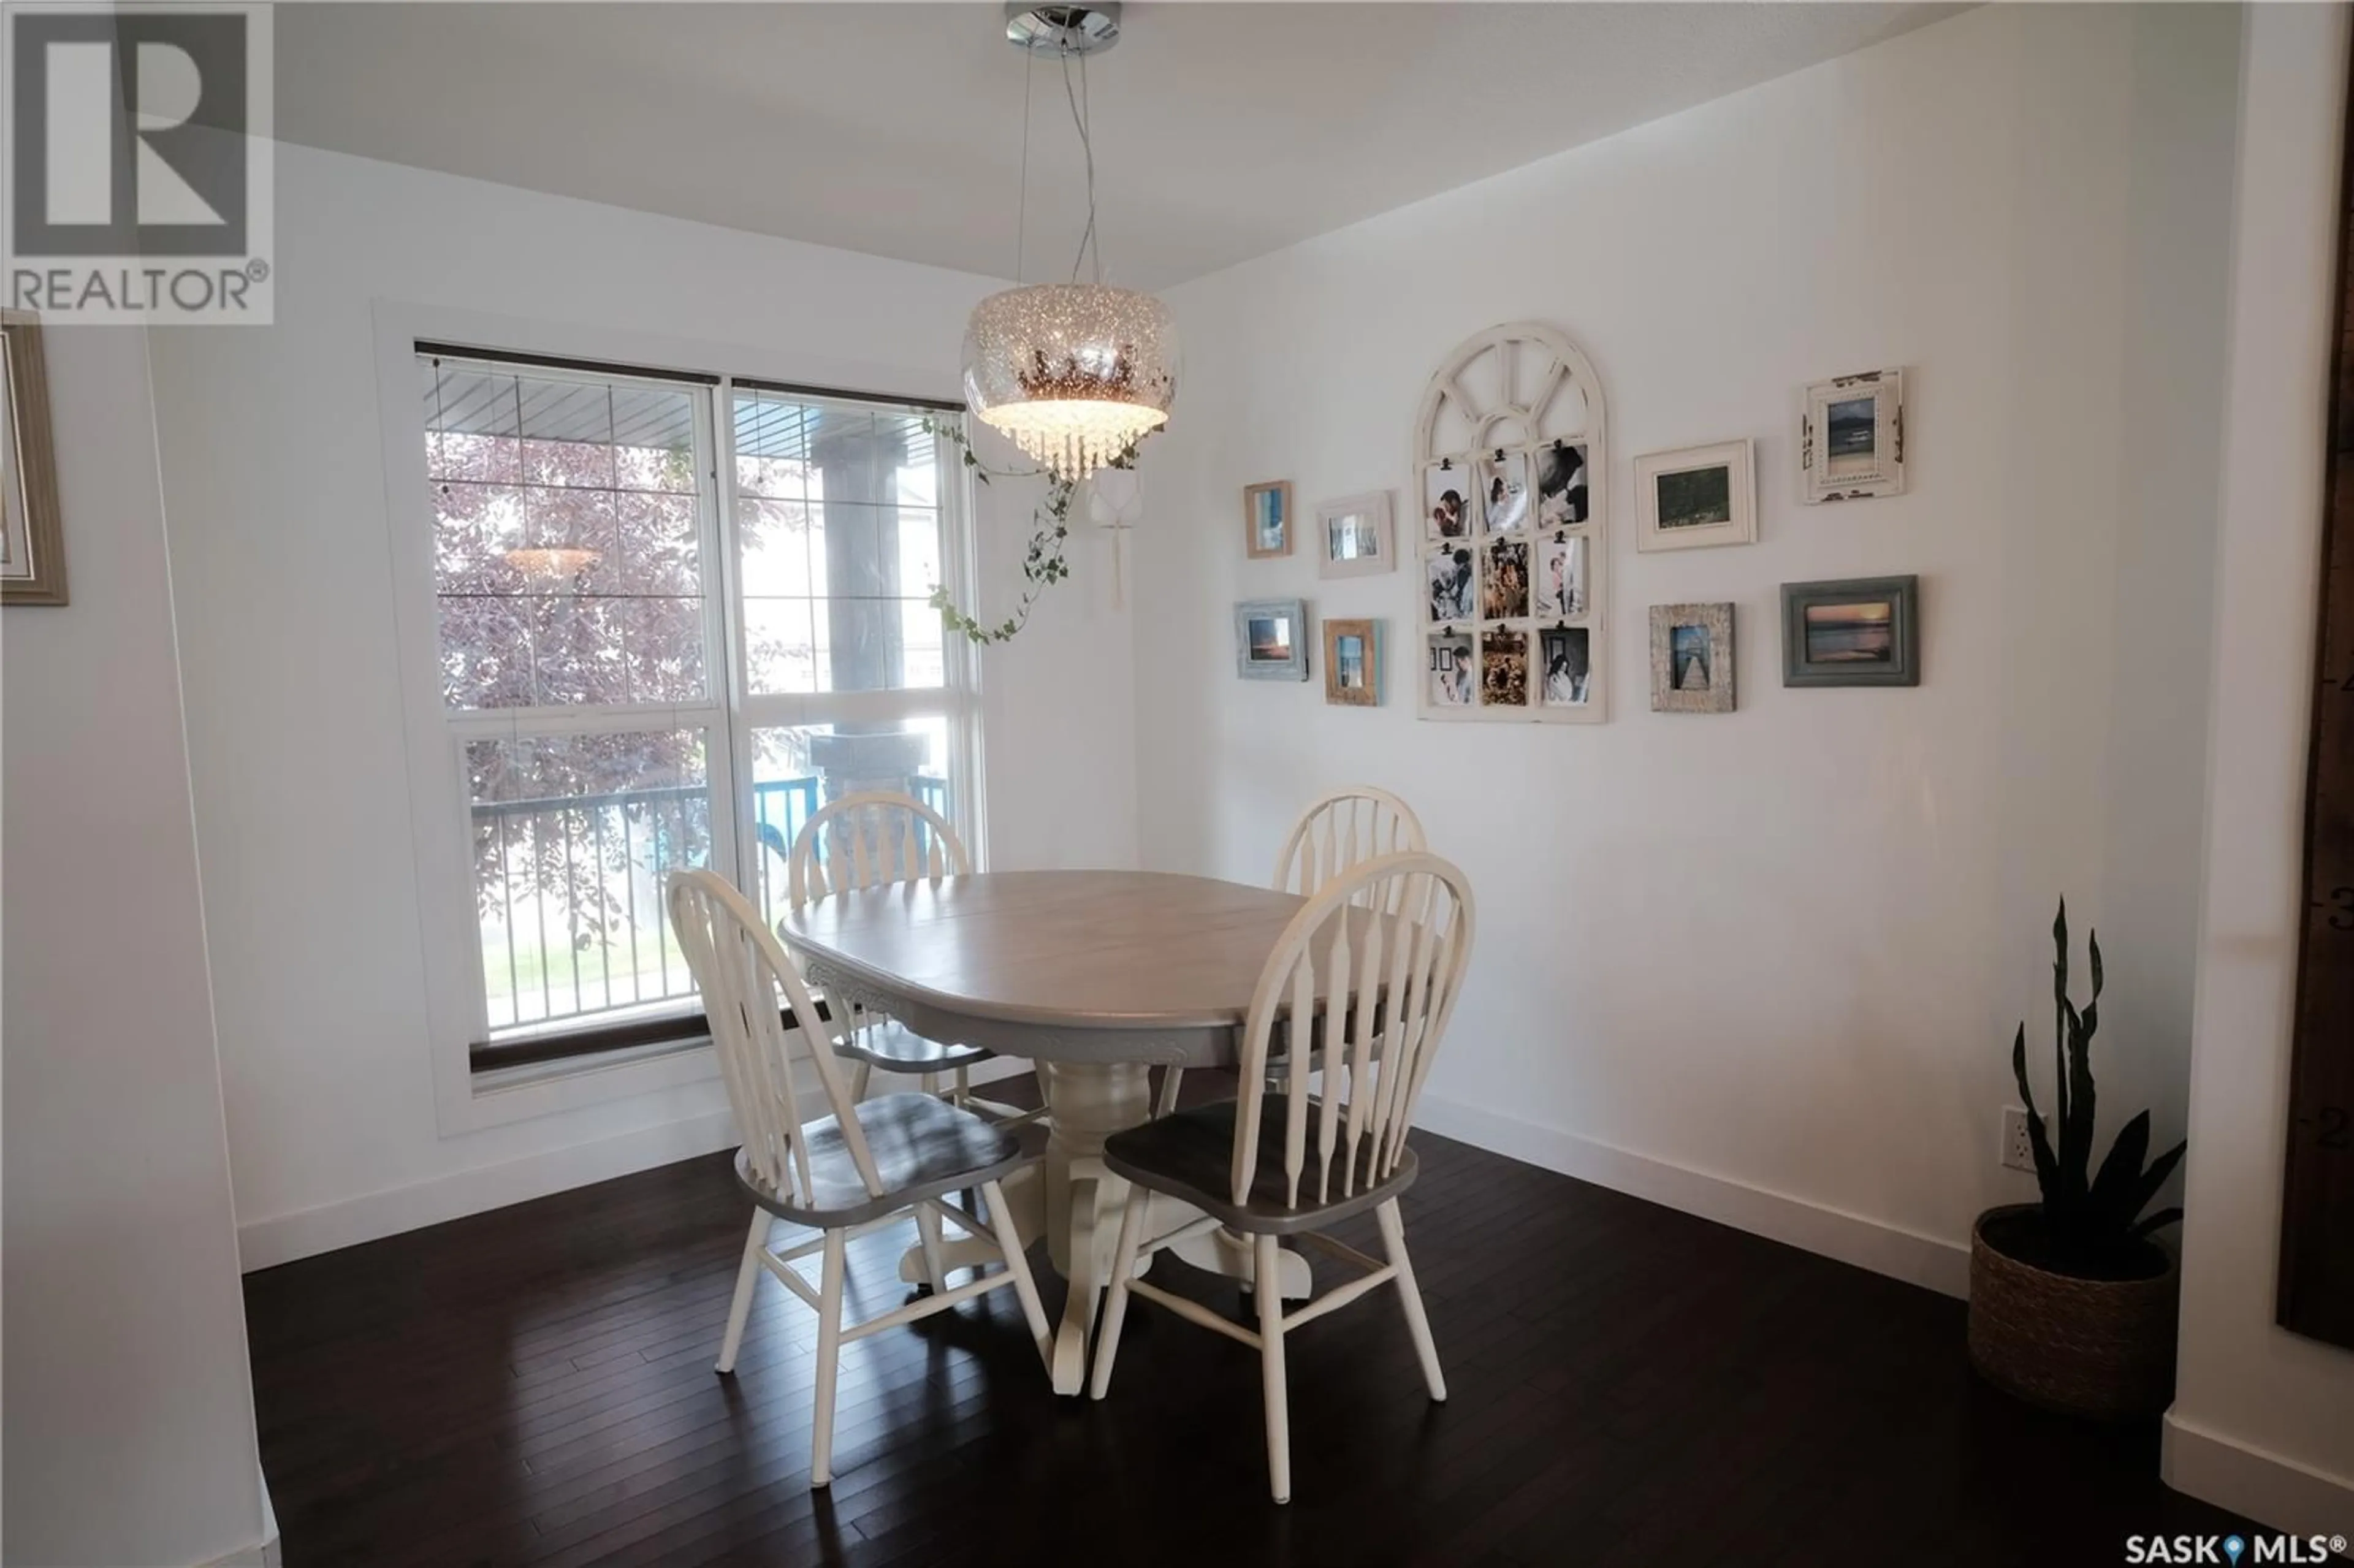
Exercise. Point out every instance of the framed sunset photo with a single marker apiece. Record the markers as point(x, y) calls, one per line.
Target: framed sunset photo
point(1857, 631)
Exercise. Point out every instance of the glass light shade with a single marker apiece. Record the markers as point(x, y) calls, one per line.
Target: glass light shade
point(553, 563)
point(1073, 374)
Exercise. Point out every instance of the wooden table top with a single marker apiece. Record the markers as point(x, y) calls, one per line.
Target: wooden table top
point(1086, 949)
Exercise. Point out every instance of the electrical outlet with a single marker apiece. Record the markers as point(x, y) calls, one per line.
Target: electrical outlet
point(2018, 1152)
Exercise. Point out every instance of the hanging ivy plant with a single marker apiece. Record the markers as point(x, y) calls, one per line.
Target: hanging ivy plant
point(1045, 563)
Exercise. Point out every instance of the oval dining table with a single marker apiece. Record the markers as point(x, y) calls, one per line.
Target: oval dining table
point(1098, 977)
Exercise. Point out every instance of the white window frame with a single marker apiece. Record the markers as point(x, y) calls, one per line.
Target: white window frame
point(468, 1101)
point(958, 696)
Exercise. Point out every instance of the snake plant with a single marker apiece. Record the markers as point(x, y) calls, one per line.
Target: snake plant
point(2091, 1221)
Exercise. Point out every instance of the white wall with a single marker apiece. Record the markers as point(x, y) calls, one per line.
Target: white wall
point(128, 1420)
point(2264, 1420)
point(1767, 965)
point(272, 464)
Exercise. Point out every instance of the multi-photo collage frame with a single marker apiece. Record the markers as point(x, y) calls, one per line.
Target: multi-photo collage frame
point(1511, 536)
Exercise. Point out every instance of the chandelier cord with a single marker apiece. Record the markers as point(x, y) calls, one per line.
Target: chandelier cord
point(1080, 116)
point(1022, 209)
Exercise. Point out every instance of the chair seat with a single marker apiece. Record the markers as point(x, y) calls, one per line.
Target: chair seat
point(922, 1146)
point(1189, 1154)
point(892, 1047)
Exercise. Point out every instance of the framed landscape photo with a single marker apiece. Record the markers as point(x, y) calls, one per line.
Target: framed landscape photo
point(1357, 540)
point(1352, 663)
point(32, 533)
point(1271, 639)
point(1852, 438)
point(1266, 519)
point(1691, 658)
point(1861, 631)
point(1697, 497)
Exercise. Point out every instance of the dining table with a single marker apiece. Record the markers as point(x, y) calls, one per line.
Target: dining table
point(1098, 977)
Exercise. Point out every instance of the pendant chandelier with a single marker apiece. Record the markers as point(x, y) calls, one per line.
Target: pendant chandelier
point(1074, 373)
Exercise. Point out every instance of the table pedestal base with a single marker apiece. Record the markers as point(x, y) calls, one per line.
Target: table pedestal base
point(1078, 1203)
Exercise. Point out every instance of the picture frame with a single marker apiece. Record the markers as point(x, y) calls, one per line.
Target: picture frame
point(1355, 538)
point(1852, 438)
point(1697, 497)
point(32, 527)
point(1352, 663)
point(1512, 537)
point(1692, 658)
point(1266, 519)
point(1271, 639)
point(1851, 631)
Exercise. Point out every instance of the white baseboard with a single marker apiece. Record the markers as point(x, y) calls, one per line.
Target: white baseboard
point(2268, 1488)
point(285, 1237)
point(263, 1553)
point(1883, 1249)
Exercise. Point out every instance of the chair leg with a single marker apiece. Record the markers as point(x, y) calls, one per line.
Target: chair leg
point(1170, 1077)
point(748, 1275)
point(1131, 1236)
point(1270, 1361)
point(828, 1362)
point(1410, 1296)
point(858, 1083)
point(1025, 1289)
point(928, 1228)
point(963, 1093)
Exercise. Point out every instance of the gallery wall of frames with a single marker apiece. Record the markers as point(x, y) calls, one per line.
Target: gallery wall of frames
point(1509, 539)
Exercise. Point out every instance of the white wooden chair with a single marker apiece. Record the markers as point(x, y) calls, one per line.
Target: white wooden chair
point(1384, 945)
point(857, 1168)
point(1341, 828)
point(879, 838)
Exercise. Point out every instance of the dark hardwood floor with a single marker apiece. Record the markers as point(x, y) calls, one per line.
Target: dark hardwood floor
point(1629, 1385)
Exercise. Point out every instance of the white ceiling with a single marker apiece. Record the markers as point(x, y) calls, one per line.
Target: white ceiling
point(1222, 130)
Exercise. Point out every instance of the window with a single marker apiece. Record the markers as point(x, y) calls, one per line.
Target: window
point(675, 616)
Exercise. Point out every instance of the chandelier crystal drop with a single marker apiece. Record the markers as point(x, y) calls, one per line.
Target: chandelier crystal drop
point(1073, 374)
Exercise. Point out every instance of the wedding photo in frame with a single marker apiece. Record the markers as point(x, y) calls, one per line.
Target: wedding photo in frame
point(1446, 506)
point(1510, 456)
point(1561, 576)
point(1565, 667)
point(1852, 438)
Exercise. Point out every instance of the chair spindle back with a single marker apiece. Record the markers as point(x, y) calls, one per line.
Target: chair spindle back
point(872, 839)
point(1343, 828)
point(1379, 951)
point(740, 969)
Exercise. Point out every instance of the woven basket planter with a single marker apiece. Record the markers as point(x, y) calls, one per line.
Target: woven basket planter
point(2087, 1347)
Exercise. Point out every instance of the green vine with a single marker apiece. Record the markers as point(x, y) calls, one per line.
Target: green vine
point(1045, 563)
